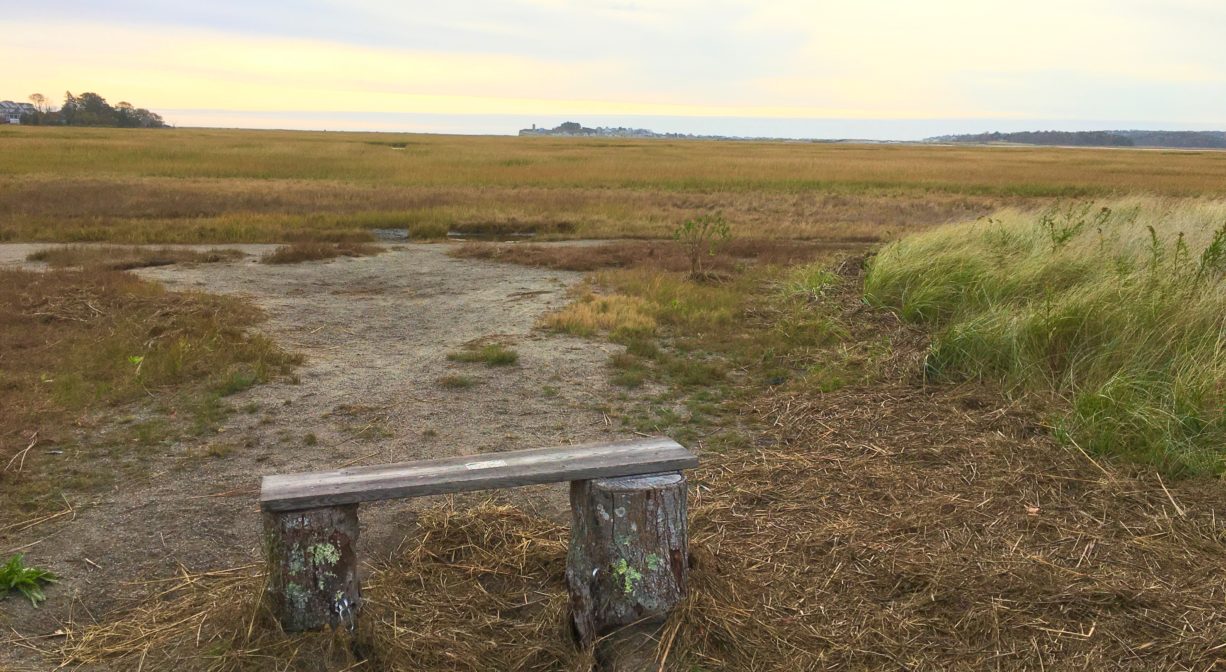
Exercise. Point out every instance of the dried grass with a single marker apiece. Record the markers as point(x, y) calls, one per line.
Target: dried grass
point(592, 313)
point(895, 528)
point(475, 589)
point(662, 255)
point(194, 186)
point(114, 258)
point(300, 252)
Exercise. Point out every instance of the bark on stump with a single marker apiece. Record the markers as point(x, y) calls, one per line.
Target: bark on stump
point(628, 551)
point(313, 567)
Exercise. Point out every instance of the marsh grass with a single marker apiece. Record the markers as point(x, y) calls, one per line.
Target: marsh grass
point(1121, 313)
point(114, 258)
point(655, 254)
point(74, 343)
point(705, 345)
point(297, 253)
point(215, 186)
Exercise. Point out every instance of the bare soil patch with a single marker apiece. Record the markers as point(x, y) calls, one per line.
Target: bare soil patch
point(368, 392)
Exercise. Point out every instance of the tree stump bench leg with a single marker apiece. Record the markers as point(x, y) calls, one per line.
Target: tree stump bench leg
point(312, 566)
point(629, 551)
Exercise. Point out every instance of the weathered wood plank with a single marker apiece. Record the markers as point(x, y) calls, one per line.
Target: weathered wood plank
point(466, 473)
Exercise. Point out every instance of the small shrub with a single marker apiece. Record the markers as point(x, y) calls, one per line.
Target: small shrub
point(701, 237)
point(15, 575)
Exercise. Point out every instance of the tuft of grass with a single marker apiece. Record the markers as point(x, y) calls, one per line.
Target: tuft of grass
point(310, 439)
point(631, 371)
point(456, 382)
point(1119, 312)
point(315, 251)
point(592, 313)
point(493, 354)
point(15, 575)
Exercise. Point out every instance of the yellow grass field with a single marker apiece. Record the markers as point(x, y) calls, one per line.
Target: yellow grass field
point(199, 185)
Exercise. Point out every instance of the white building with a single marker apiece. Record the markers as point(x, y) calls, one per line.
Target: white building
point(11, 112)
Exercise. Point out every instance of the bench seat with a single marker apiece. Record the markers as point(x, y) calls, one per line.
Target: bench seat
point(292, 492)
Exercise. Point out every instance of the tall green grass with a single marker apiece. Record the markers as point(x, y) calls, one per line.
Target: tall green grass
point(1120, 310)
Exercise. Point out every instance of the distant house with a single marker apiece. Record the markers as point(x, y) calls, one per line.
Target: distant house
point(11, 112)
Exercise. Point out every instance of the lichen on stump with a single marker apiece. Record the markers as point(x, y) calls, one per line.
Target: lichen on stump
point(312, 567)
point(628, 551)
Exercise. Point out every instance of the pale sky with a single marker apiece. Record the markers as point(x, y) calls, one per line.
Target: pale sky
point(491, 65)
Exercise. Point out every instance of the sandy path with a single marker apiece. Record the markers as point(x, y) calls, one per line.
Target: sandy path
point(375, 332)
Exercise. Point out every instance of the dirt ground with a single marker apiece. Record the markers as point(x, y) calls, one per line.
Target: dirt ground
point(375, 332)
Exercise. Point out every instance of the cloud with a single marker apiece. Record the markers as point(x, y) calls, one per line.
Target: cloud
point(1086, 59)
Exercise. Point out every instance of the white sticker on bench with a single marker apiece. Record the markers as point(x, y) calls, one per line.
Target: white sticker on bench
point(488, 464)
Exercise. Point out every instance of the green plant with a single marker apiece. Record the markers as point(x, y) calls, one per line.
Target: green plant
point(1063, 223)
point(702, 236)
point(1213, 258)
point(14, 575)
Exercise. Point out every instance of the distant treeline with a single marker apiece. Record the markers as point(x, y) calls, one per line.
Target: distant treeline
point(90, 109)
point(1179, 139)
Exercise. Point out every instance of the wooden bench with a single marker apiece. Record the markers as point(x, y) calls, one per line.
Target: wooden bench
point(628, 550)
